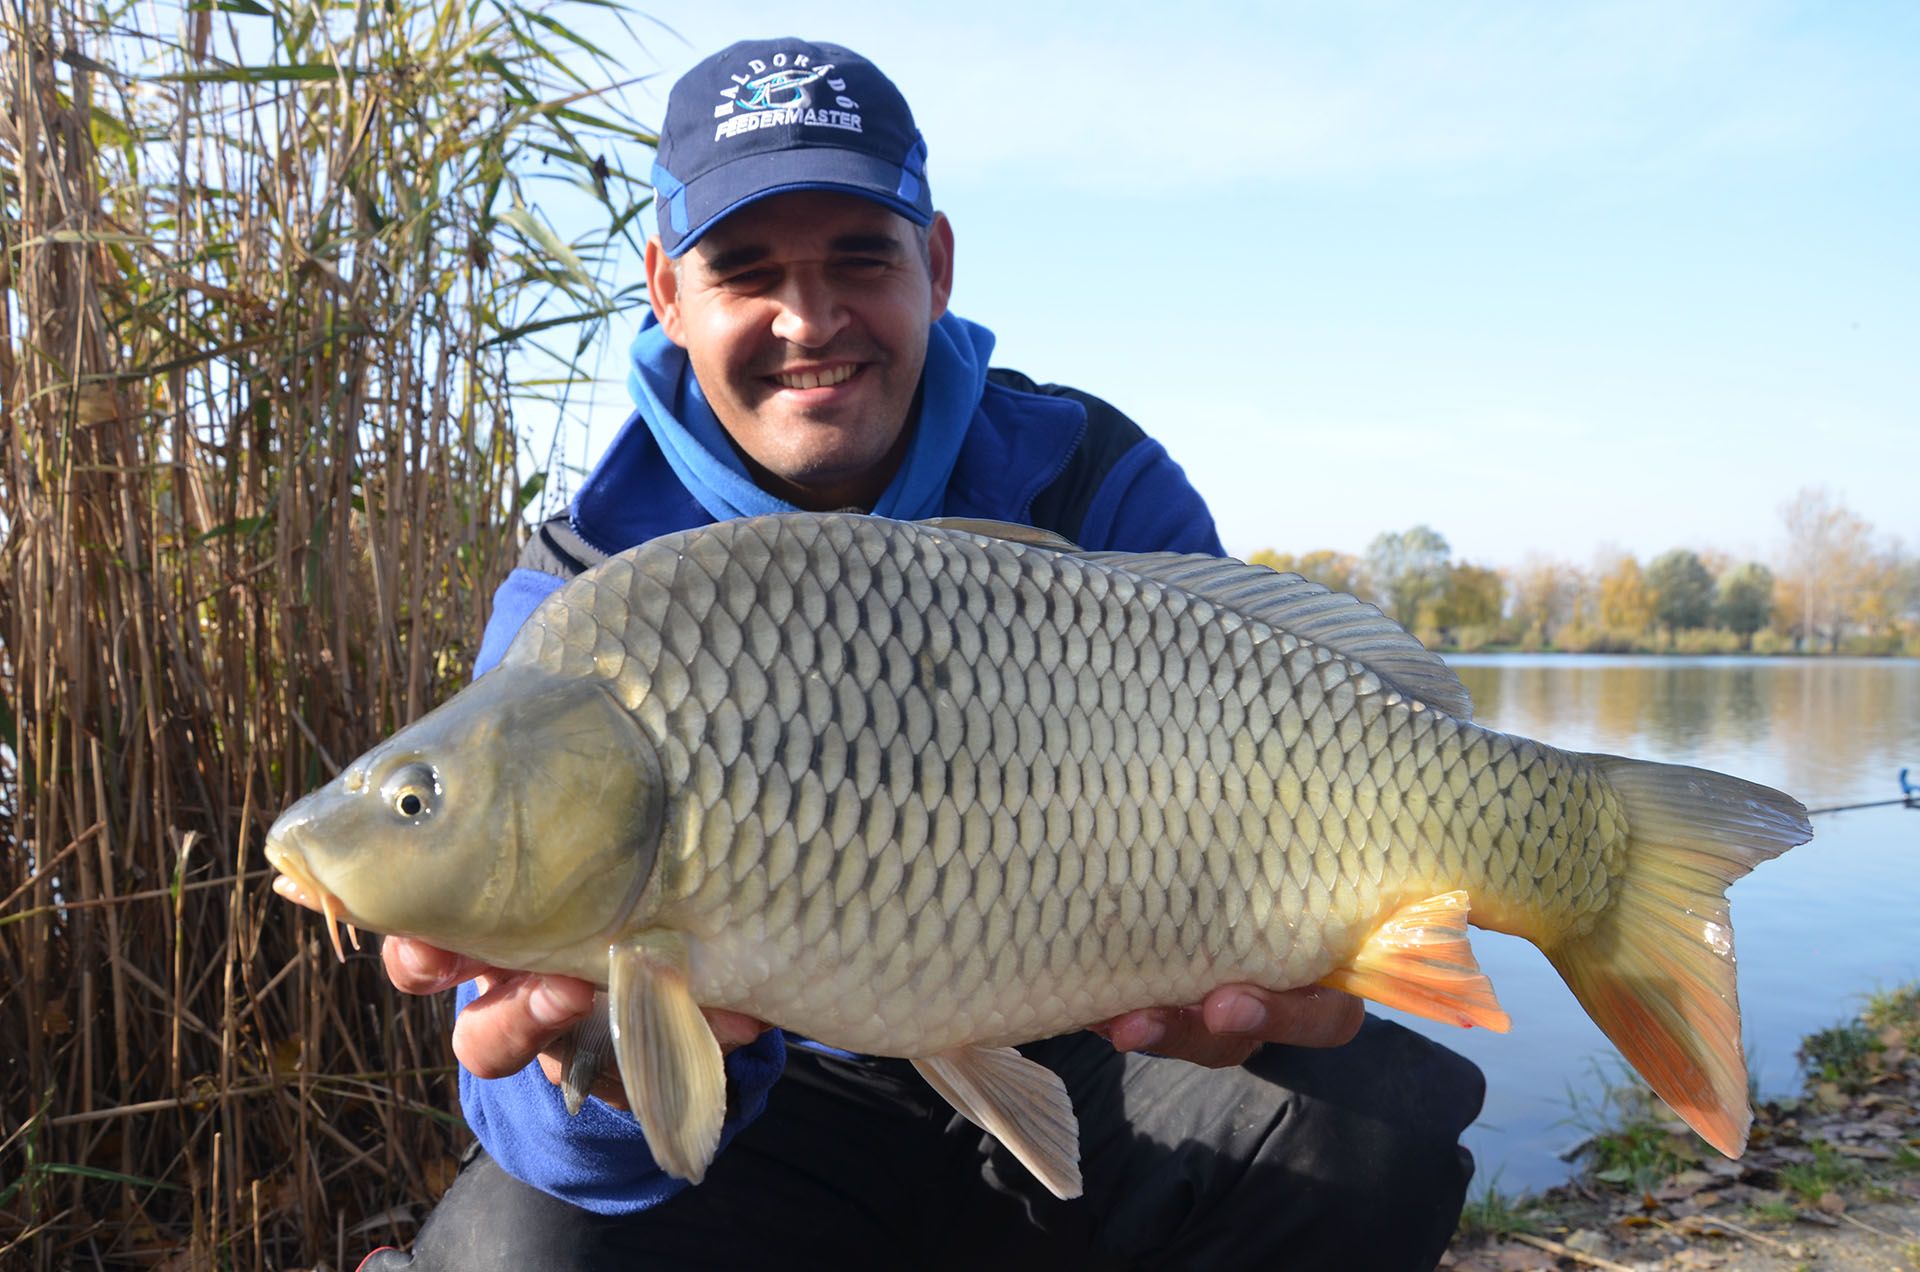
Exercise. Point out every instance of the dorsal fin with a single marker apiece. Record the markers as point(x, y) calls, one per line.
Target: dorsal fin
point(1011, 531)
point(1311, 611)
point(1342, 623)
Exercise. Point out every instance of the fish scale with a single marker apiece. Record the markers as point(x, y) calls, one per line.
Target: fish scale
point(927, 790)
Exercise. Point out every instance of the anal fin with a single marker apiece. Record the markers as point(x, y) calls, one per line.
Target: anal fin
point(1022, 1104)
point(1419, 961)
point(669, 1060)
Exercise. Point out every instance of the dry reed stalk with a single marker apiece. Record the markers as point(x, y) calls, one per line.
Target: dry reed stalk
point(262, 281)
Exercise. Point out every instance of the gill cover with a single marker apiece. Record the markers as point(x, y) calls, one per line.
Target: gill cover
point(517, 819)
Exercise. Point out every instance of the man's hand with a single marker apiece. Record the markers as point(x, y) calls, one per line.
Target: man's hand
point(520, 1016)
point(1232, 1022)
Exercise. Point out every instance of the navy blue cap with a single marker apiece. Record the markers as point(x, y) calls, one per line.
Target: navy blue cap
point(762, 117)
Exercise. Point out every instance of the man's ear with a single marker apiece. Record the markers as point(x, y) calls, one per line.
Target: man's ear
point(663, 291)
point(940, 262)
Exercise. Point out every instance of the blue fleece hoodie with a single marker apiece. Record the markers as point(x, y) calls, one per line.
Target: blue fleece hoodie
point(985, 444)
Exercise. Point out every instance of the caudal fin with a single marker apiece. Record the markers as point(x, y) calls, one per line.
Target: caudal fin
point(1656, 973)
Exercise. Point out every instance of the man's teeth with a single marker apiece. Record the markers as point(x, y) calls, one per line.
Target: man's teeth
point(817, 379)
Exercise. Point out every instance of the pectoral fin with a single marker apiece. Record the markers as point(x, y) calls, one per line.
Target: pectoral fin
point(586, 1051)
point(669, 1059)
point(1419, 961)
point(1022, 1104)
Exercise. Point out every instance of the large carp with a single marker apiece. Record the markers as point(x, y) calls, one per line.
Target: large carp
point(930, 790)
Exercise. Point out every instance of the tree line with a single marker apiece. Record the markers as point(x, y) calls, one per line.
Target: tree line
point(1837, 586)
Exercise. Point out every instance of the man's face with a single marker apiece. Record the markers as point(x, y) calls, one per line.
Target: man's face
point(805, 317)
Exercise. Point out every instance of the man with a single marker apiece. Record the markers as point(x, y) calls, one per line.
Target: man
point(800, 355)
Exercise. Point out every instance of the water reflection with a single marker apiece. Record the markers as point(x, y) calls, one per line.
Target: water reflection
point(1827, 730)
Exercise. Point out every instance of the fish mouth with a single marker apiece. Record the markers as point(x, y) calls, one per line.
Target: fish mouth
point(297, 884)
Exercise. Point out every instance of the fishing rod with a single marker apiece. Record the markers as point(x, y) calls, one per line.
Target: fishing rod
point(1909, 798)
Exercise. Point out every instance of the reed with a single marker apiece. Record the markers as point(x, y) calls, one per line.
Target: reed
point(273, 270)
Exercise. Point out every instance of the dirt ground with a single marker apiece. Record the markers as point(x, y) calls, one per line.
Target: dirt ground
point(1830, 1181)
point(1869, 1236)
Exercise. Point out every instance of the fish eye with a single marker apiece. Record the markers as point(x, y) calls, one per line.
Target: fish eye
point(412, 791)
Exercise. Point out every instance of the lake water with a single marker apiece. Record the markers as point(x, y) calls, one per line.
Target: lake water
point(1816, 929)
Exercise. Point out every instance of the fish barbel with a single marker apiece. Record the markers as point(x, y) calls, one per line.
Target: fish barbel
point(934, 789)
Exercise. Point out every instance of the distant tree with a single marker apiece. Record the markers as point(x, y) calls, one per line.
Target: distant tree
point(1340, 571)
point(1826, 562)
point(1907, 589)
point(1745, 601)
point(1717, 561)
point(1682, 590)
point(1882, 595)
point(1545, 594)
point(1474, 597)
point(1626, 602)
point(1408, 571)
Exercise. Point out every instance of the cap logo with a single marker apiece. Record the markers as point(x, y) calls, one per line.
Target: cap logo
point(777, 93)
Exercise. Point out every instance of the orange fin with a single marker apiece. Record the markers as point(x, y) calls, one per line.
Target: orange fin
point(1656, 971)
point(1419, 961)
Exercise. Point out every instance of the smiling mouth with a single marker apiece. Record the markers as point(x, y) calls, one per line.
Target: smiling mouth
point(825, 378)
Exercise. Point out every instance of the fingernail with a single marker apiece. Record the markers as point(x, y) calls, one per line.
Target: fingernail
point(1239, 1014)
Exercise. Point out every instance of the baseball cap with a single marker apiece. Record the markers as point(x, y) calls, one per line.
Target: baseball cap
point(762, 117)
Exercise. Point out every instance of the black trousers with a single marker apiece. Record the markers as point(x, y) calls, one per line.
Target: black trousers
point(1339, 1159)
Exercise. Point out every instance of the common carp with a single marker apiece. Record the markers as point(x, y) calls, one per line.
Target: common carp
point(935, 789)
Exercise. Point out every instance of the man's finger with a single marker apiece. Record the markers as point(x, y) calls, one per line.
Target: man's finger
point(415, 967)
point(731, 1029)
point(514, 1019)
point(1177, 1032)
point(1232, 1022)
point(1312, 1016)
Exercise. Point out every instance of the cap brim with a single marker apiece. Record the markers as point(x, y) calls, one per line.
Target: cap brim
point(716, 195)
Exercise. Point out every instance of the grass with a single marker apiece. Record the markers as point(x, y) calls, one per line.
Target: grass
point(1773, 1211)
point(1897, 1010)
point(1842, 1055)
point(1633, 1141)
point(1854, 1053)
point(1829, 1171)
point(271, 268)
point(1494, 1215)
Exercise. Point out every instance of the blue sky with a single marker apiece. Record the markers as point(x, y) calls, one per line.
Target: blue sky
point(1549, 278)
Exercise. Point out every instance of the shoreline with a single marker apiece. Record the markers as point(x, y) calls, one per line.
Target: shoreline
point(1830, 1179)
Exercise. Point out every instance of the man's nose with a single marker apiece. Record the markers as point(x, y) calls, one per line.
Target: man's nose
point(811, 313)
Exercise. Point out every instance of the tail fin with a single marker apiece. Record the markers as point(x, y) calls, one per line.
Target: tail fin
point(1656, 973)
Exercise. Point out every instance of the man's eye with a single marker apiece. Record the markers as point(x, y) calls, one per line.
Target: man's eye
point(864, 264)
point(750, 279)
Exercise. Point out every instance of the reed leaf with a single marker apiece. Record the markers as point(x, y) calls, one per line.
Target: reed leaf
point(274, 278)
